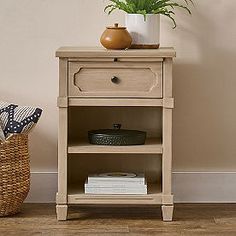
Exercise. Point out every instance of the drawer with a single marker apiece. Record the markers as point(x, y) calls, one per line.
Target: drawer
point(115, 79)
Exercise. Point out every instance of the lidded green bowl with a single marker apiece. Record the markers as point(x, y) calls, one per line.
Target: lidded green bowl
point(116, 136)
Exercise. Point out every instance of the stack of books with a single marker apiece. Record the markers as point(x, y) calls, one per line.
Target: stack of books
point(116, 183)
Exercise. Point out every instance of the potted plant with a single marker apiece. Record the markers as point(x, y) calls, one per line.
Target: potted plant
point(143, 18)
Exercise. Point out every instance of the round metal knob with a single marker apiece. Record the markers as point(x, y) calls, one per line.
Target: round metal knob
point(115, 80)
point(116, 126)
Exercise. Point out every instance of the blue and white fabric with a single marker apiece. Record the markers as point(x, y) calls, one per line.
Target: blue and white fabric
point(2, 136)
point(18, 119)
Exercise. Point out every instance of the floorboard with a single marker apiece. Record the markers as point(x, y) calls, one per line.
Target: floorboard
point(189, 219)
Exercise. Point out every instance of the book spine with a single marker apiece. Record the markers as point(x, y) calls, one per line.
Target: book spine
point(100, 181)
point(115, 185)
point(114, 191)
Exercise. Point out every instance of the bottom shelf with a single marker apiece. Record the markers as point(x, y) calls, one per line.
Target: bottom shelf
point(76, 195)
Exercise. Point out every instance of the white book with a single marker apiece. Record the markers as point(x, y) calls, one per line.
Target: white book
point(114, 185)
point(116, 190)
point(117, 178)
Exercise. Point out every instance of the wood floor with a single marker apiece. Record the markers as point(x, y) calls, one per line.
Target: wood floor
point(197, 219)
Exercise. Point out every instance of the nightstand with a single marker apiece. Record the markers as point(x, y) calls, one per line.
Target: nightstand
point(98, 88)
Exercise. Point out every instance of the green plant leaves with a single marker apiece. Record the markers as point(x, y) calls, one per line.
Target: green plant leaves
point(144, 7)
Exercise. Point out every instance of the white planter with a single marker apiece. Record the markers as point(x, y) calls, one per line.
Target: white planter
point(144, 32)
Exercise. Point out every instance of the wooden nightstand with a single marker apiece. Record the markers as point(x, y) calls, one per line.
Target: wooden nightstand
point(97, 88)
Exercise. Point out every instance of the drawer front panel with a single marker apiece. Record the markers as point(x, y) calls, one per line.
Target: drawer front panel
point(115, 79)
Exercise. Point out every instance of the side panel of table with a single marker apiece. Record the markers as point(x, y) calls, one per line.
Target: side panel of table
point(62, 142)
point(167, 209)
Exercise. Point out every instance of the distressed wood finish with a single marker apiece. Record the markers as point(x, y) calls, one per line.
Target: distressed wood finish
point(76, 196)
point(61, 197)
point(145, 82)
point(62, 212)
point(133, 79)
point(152, 146)
point(96, 52)
point(167, 210)
point(116, 102)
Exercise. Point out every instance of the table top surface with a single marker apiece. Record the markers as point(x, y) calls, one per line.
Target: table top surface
point(70, 52)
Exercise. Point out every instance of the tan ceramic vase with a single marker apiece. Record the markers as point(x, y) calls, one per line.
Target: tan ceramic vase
point(115, 37)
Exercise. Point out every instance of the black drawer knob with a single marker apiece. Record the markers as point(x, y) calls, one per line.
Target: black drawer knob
point(117, 126)
point(115, 80)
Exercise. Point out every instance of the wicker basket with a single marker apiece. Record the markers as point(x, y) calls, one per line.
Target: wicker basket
point(14, 173)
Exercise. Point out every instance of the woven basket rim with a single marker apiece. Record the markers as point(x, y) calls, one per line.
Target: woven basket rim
point(12, 136)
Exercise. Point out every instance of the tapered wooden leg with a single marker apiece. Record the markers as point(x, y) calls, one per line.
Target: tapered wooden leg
point(167, 212)
point(62, 211)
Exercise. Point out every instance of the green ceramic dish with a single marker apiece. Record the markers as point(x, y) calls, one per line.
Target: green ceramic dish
point(116, 136)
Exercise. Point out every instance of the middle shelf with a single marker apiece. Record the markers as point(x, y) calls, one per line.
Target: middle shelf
point(151, 146)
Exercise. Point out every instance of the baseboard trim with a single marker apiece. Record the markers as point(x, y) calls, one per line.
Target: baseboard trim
point(204, 187)
point(188, 187)
point(43, 187)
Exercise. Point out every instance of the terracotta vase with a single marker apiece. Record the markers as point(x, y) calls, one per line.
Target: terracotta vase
point(115, 37)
